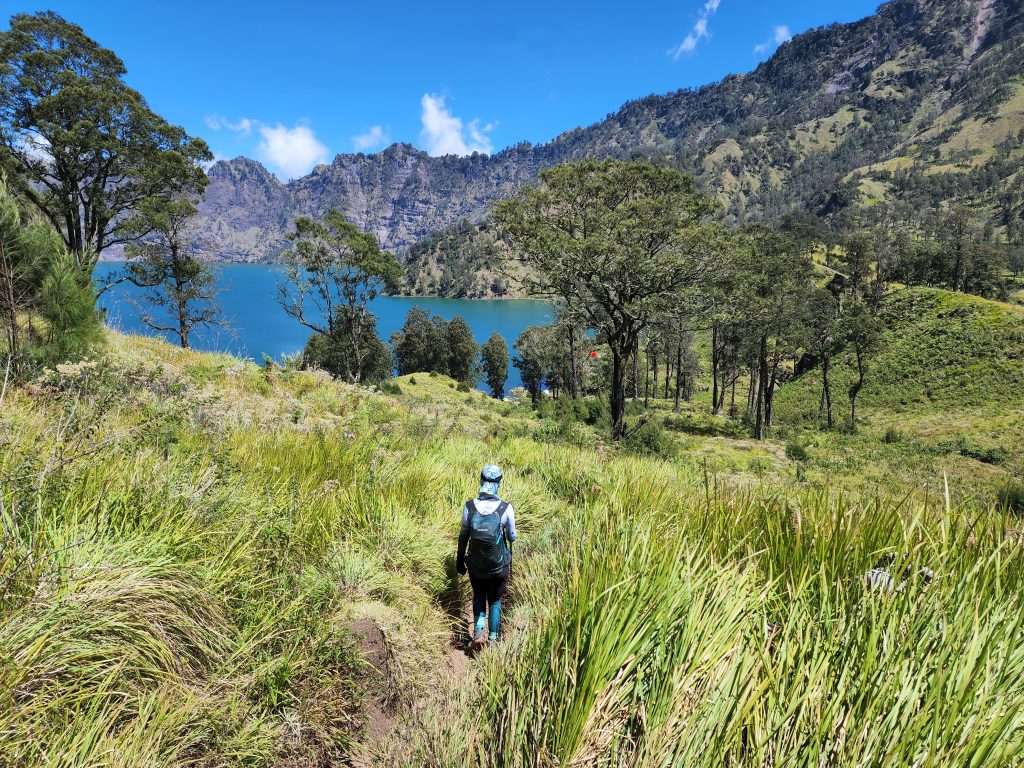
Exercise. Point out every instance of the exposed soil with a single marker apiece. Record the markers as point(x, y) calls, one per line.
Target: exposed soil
point(380, 719)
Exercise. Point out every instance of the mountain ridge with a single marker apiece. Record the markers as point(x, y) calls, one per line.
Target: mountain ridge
point(915, 89)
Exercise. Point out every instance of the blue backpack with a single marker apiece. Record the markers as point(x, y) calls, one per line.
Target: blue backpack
point(488, 554)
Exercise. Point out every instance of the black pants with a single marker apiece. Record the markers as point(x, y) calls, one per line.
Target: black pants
point(487, 590)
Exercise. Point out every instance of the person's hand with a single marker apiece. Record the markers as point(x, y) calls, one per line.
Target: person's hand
point(460, 568)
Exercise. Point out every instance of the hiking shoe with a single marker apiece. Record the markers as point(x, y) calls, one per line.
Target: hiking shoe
point(479, 640)
point(492, 638)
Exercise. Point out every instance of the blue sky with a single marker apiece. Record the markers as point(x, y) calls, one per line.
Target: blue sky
point(292, 84)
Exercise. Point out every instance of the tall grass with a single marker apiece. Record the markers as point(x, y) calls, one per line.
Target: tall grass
point(700, 626)
point(185, 547)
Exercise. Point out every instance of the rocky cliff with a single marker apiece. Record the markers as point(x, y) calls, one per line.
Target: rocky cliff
point(921, 102)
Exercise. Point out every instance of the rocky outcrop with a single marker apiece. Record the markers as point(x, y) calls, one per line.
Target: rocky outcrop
point(832, 109)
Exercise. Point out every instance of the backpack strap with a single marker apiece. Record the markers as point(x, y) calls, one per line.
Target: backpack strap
point(471, 508)
point(500, 512)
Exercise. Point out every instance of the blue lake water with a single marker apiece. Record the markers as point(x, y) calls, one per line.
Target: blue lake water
point(258, 326)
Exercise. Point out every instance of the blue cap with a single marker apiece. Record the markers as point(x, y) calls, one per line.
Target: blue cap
point(490, 479)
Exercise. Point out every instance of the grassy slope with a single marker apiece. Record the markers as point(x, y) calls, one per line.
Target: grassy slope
point(190, 541)
point(947, 385)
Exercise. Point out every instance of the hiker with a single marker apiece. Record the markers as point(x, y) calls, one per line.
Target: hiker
point(485, 550)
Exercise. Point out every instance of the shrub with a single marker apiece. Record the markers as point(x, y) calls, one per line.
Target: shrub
point(650, 439)
point(796, 452)
point(985, 454)
point(892, 435)
point(390, 387)
point(336, 354)
point(1011, 497)
point(463, 387)
point(760, 466)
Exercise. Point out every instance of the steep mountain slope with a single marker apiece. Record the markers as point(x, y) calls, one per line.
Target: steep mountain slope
point(924, 101)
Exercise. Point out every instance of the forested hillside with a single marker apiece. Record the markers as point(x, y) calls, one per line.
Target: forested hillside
point(920, 104)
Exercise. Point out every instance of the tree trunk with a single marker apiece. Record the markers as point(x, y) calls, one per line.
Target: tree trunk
point(647, 380)
point(751, 390)
point(618, 394)
point(679, 374)
point(769, 398)
point(760, 428)
point(573, 375)
point(855, 389)
point(654, 389)
point(11, 307)
point(180, 302)
point(826, 390)
point(636, 370)
point(714, 369)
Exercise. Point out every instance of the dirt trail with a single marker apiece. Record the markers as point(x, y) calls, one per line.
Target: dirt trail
point(382, 717)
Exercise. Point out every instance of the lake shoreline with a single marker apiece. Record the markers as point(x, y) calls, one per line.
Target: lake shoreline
point(400, 295)
point(256, 325)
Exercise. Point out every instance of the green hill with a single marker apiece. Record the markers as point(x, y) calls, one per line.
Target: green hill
point(940, 350)
point(945, 393)
point(207, 562)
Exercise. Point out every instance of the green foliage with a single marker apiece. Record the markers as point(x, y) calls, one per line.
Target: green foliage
point(429, 344)
point(965, 447)
point(618, 242)
point(47, 308)
point(939, 350)
point(340, 268)
point(462, 350)
point(1010, 497)
point(181, 286)
point(494, 356)
point(892, 436)
point(68, 310)
point(62, 95)
point(649, 439)
point(462, 260)
point(534, 359)
point(796, 451)
point(193, 567)
point(367, 359)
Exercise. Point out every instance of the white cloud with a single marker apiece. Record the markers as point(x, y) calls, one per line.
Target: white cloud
point(217, 123)
point(780, 35)
point(293, 151)
point(699, 32)
point(375, 137)
point(443, 134)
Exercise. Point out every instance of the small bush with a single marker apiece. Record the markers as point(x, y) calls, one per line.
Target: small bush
point(1011, 497)
point(796, 452)
point(412, 380)
point(463, 387)
point(892, 435)
point(390, 387)
point(650, 439)
point(985, 454)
